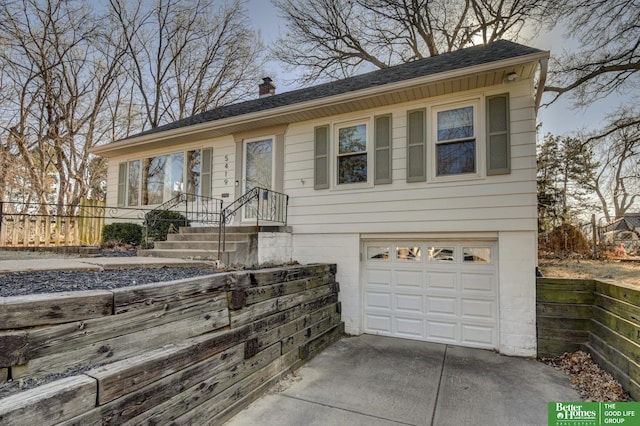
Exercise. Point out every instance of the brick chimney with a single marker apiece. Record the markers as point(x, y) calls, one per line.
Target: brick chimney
point(266, 88)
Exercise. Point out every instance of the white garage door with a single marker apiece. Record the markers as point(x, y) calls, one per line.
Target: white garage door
point(436, 291)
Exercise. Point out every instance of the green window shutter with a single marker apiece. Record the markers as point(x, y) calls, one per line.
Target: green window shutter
point(205, 172)
point(321, 157)
point(416, 146)
point(122, 183)
point(498, 135)
point(383, 149)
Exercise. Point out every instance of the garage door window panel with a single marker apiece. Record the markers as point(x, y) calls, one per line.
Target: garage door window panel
point(441, 254)
point(477, 254)
point(378, 253)
point(411, 254)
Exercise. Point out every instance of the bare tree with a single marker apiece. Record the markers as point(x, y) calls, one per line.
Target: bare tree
point(60, 68)
point(336, 38)
point(616, 182)
point(72, 77)
point(606, 63)
point(188, 56)
point(609, 58)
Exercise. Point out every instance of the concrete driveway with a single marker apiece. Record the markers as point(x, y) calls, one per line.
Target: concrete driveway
point(372, 380)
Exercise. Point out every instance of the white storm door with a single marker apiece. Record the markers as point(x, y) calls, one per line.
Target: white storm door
point(258, 170)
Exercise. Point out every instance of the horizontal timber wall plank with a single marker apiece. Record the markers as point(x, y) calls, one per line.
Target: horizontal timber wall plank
point(50, 403)
point(49, 340)
point(53, 308)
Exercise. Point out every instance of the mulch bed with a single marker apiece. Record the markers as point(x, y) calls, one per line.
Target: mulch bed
point(36, 282)
point(591, 381)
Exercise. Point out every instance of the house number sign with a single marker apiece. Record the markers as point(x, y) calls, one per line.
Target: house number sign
point(226, 169)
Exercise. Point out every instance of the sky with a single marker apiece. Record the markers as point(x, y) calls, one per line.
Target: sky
point(559, 119)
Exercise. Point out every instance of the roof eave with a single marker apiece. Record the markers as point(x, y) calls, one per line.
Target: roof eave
point(127, 144)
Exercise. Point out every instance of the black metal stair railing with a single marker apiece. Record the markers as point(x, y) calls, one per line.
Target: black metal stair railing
point(260, 203)
point(194, 208)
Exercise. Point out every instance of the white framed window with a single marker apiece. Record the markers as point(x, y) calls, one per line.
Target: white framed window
point(352, 159)
point(455, 150)
point(155, 180)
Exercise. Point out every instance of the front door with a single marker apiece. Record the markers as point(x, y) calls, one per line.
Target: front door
point(258, 170)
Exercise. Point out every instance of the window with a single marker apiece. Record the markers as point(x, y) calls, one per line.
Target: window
point(193, 172)
point(155, 180)
point(455, 141)
point(205, 172)
point(352, 154)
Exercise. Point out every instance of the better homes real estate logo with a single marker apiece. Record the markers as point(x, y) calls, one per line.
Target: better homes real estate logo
point(594, 413)
point(574, 413)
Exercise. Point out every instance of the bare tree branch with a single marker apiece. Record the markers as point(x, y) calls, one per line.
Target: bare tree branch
point(332, 39)
point(609, 58)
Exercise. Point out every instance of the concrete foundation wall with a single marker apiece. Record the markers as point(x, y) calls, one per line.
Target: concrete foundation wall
point(275, 247)
point(343, 250)
point(517, 293)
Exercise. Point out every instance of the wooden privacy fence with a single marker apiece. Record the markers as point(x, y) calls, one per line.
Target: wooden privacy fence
point(29, 227)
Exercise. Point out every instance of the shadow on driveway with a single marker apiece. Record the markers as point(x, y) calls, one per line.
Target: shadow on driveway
point(373, 380)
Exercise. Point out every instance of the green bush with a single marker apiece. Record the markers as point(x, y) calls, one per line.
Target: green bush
point(161, 222)
point(124, 233)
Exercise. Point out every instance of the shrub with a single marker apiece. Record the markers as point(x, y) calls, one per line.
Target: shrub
point(567, 239)
point(161, 222)
point(124, 233)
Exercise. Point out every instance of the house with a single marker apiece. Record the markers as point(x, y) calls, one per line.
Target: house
point(418, 181)
point(624, 231)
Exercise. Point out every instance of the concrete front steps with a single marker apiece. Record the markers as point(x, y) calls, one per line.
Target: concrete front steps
point(202, 243)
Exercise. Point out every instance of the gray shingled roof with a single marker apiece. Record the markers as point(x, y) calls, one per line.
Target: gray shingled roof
point(472, 56)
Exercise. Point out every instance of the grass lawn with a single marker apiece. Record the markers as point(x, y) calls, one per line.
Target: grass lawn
point(623, 271)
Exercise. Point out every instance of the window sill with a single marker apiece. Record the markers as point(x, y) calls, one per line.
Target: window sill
point(456, 178)
point(348, 186)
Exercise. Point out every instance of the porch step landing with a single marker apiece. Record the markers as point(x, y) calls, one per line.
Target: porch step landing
point(201, 243)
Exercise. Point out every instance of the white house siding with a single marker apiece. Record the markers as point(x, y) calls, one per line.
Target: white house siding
point(493, 203)
point(328, 224)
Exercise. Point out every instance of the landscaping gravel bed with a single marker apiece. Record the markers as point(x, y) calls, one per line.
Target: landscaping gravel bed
point(24, 283)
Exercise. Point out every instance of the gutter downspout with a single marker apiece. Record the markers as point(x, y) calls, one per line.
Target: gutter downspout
point(543, 79)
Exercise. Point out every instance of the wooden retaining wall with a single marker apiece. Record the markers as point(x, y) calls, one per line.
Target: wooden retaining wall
point(192, 351)
point(599, 317)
